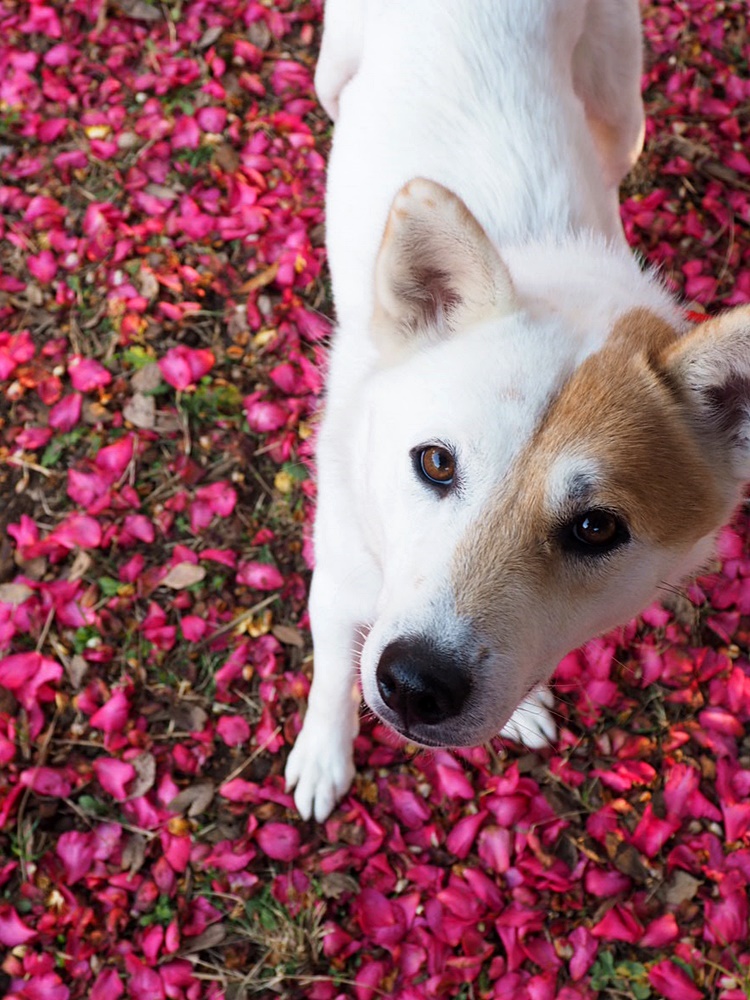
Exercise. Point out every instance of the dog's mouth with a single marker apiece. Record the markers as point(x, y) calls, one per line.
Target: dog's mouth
point(453, 736)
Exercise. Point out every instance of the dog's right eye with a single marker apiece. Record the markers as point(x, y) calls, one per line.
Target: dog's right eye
point(435, 464)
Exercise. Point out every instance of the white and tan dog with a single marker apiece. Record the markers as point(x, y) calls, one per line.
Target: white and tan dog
point(522, 440)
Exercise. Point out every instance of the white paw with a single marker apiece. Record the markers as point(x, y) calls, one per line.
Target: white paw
point(532, 723)
point(320, 767)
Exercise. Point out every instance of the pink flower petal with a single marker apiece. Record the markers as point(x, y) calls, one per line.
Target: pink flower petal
point(461, 838)
point(43, 266)
point(263, 415)
point(87, 374)
point(65, 415)
point(727, 918)
point(618, 924)
point(673, 982)
point(663, 930)
point(13, 931)
point(494, 848)
point(114, 459)
point(279, 841)
point(239, 790)
point(114, 775)
point(182, 366)
point(107, 986)
point(78, 531)
point(211, 119)
point(411, 810)
point(233, 729)
point(193, 628)
point(113, 714)
point(259, 576)
point(652, 832)
point(381, 921)
point(186, 134)
point(585, 947)
point(46, 781)
point(76, 851)
point(32, 438)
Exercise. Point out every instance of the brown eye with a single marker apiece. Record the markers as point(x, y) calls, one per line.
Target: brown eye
point(437, 465)
point(595, 532)
point(596, 527)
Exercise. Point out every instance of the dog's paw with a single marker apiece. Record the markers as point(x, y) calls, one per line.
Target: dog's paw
point(320, 768)
point(532, 723)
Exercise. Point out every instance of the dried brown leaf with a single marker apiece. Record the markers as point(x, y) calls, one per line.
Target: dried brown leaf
point(134, 853)
point(264, 277)
point(76, 668)
point(81, 565)
point(210, 938)
point(259, 34)
point(288, 635)
point(162, 191)
point(140, 411)
point(14, 593)
point(194, 799)
point(34, 569)
point(210, 35)
point(629, 861)
point(183, 575)
point(333, 885)
point(139, 10)
point(226, 158)
point(148, 285)
point(147, 379)
point(190, 717)
point(168, 423)
point(681, 888)
point(145, 774)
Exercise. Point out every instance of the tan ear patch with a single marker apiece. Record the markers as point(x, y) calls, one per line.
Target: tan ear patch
point(618, 413)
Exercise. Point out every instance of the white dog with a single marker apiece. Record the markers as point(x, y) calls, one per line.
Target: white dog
point(523, 439)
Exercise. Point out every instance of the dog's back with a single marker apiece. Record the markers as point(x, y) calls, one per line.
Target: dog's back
point(479, 96)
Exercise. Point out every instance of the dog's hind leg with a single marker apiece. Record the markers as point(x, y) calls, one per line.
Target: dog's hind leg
point(340, 51)
point(607, 67)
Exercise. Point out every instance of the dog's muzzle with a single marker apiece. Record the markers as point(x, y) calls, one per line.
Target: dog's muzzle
point(421, 683)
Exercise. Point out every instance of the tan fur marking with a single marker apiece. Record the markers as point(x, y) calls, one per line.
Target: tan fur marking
point(618, 410)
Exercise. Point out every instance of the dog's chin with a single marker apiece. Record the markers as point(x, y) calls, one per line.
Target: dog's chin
point(438, 737)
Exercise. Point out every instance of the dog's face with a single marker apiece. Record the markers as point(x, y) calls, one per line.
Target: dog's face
point(523, 493)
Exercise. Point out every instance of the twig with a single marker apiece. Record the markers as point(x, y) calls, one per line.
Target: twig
point(25, 464)
point(236, 622)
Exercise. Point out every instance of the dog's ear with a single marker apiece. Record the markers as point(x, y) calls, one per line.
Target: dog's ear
point(710, 369)
point(436, 271)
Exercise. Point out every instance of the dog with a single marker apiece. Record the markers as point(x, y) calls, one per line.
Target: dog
point(524, 437)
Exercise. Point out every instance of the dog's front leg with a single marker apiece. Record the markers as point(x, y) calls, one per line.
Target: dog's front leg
point(344, 588)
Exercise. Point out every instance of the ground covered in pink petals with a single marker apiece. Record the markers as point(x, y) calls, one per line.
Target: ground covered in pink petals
point(162, 328)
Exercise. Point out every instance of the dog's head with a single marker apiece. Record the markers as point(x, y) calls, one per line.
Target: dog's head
point(523, 489)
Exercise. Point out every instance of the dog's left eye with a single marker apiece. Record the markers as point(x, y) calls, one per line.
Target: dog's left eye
point(595, 532)
point(436, 464)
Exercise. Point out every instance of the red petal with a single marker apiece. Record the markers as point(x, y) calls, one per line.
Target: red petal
point(673, 982)
point(279, 841)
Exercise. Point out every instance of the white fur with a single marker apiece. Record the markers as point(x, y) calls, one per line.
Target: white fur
point(530, 113)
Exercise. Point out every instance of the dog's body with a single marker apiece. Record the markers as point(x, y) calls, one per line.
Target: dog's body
point(521, 442)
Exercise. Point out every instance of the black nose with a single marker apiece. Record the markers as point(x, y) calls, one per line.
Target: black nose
point(421, 683)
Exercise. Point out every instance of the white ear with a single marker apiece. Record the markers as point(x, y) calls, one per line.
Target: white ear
point(436, 271)
point(710, 368)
